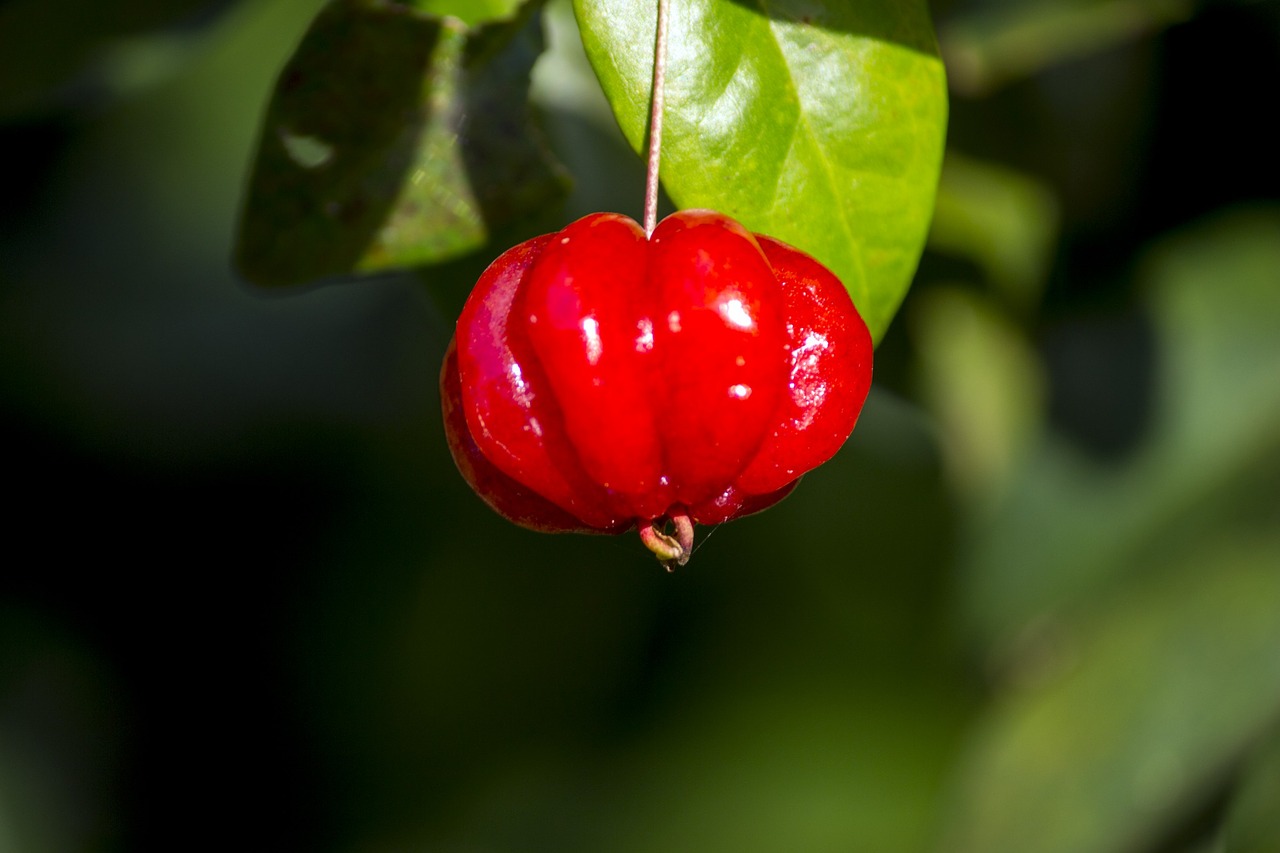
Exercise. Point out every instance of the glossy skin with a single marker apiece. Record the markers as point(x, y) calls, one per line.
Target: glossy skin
point(599, 379)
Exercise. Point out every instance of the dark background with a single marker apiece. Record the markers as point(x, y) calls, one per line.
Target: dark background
point(249, 603)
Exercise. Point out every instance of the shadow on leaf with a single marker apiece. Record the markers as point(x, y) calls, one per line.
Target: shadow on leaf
point(393, 140)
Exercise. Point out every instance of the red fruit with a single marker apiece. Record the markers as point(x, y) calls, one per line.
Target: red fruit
point(600, 380)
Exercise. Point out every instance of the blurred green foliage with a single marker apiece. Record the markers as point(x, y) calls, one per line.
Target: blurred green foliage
point(1034, 604)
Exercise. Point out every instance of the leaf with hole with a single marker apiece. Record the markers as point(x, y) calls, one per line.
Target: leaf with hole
point(394, 139)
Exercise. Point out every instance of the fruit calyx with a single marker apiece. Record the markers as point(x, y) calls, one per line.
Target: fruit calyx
point(672, 549)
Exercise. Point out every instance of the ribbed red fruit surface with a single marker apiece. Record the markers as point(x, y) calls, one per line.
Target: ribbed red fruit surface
point(600, 379)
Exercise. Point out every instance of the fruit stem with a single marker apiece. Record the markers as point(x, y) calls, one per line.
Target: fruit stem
point(671, 550)
point(655, 121)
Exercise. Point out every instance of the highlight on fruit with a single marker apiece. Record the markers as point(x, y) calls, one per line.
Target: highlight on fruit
point(601, 381)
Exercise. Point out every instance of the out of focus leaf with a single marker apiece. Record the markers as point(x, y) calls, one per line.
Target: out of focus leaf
point(394, 139)
point(791, 769)
point(821, 124)
point(984, 51)
point(1070, 526)
point(56, 54)
point(979, 377)
point(470, 12)
point(58, 738)
point(1253, 823)
point(1147, 708)
point(1004, 221)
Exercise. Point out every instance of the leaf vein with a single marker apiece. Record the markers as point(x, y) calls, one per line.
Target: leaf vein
point(802, 120)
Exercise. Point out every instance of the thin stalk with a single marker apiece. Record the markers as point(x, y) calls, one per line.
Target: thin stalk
point(655, 120)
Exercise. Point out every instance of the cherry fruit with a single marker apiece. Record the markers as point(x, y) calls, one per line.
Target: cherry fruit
point(601, 380)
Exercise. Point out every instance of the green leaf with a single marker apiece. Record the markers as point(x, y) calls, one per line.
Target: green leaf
point(394, 139)
point(1071, 526)
point(470, 12)
point(978, 376)
point(1002, 220)
point(1253, 820)
point(819, 123)
point(1146, 709)
point(1132, 608)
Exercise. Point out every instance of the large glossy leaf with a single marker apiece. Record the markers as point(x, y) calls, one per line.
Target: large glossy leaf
point(395, 139)
point(820, 123)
